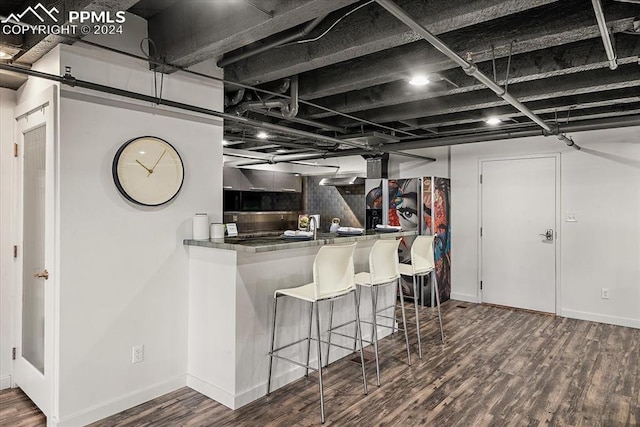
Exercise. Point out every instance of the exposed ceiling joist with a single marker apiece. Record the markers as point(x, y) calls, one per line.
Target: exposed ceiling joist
point(369, 31)
point(219, 27)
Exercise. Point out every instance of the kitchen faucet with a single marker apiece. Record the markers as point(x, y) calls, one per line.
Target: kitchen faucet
point(315, 228)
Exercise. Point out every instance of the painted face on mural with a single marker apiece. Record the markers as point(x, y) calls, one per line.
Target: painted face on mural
point(408, 211)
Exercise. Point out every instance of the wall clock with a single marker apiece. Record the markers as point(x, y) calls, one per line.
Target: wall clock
point(148, 171)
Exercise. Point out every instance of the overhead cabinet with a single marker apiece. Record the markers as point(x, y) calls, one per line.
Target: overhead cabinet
point(260, 180)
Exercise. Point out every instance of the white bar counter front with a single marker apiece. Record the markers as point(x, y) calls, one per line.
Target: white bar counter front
point(231, 287)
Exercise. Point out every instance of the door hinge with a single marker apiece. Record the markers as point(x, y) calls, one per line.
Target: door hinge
point(15, 251)
point(480, 284)
point(480, 178)
point(480, 231)
point(13, 353)
point(15, 149)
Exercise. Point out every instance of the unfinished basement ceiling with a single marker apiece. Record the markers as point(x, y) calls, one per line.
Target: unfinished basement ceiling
point(353, 61)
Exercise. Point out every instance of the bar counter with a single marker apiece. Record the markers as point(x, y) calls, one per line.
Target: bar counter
point(267, 242)
point(231, 287)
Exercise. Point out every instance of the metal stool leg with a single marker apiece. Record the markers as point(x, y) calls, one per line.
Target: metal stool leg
point(359, 335)
point(404, 321)
point(357, 296)
point(306, 372)
point(273, 336)
point(415, 300)
point(395, 305)
point(319, 353)
point(374, 332)
point(330, 326)
point(435, 285)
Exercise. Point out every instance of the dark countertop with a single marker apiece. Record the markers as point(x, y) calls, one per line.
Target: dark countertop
point(267, 243)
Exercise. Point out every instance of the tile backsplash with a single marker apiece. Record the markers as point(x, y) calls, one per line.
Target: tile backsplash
point(346, 203)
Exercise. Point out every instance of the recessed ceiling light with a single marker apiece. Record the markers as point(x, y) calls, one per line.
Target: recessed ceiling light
point(493, 121)
point(5, 55)
point(419, 80)
point(281, 150)
point(262, 135)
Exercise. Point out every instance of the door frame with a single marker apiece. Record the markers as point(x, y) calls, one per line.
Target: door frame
point(47, 102)
point(557, 222)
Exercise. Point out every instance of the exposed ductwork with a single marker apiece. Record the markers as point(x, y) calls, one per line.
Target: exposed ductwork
point(68, 79)
point(341, 181)
point(235, 99)
point(469, 68)
point(604, 33)
point(288, 109)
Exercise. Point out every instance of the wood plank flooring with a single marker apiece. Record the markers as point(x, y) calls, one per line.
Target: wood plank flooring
point(499, 367)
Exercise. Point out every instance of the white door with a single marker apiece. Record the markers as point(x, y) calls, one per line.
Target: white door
point(33, 365)
point(518, 232)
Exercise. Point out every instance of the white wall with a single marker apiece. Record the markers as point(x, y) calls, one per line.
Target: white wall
point(124, 270)
point(602, 184)
point(406, 167)
point(7, 103)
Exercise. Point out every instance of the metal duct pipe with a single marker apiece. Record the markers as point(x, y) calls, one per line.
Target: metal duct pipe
point(578, 126)
point(469, 68)
point(319, 125)
point(291, 109)
point(68, 79)
point(235, 84)
point(327, 155)
point(288, 109)
point(287, 39)
point(281, 89)
point(237, 97)
point(604, 33)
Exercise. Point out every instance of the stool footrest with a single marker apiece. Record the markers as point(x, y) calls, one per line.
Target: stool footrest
point(295, 362)
point(290, 344)
point(346, 336)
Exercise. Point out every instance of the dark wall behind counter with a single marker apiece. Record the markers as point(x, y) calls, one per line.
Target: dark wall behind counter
point(346, 203)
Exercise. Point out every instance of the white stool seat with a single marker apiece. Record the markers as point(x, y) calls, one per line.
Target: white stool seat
point(407, 270)
point(363, 279)
point(422, 263)
point(333, 277)
point(308, 293)
point(383, 270)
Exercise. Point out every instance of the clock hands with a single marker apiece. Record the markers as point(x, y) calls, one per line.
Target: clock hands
point(146, 168)
point(156, 163)
point(150, 171)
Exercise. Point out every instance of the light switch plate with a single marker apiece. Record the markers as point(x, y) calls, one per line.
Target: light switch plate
point(572, 217)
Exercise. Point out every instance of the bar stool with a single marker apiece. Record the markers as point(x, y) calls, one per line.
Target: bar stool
point(333, 278)
point(383, 270)
point(422, 264)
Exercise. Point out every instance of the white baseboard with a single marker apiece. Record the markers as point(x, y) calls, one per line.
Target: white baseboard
point(601, 318)
point(5, 382)
point(465, 297)
point(211, 391)
point(122, 403)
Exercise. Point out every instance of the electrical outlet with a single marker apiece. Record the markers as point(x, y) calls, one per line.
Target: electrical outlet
point(137, 354)
point(605, 293)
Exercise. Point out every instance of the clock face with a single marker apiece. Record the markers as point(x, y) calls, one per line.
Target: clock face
point(148, 171)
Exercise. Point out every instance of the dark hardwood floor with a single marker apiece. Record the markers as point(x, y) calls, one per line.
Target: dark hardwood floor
point(499, 367)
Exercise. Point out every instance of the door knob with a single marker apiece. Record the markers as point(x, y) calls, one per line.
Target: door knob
point(548, 235)
point(43, 274)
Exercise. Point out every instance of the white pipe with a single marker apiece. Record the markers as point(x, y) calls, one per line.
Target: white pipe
point(604, 33)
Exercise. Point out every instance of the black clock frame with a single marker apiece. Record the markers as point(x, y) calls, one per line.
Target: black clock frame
point(116, 180)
